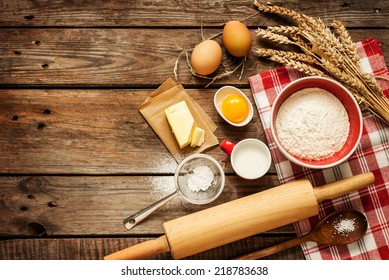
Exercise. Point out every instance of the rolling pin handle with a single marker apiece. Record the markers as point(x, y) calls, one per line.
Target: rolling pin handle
point(142, 250)
point(344, 186)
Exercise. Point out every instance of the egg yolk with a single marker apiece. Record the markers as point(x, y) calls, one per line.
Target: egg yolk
point(235, 108)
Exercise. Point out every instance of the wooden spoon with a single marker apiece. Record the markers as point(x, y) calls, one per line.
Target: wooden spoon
point(340, 227)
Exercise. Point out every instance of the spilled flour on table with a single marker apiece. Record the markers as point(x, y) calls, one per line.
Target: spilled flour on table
point(164, 186)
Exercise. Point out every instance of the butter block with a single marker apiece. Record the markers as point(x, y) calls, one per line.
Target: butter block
point(198, 137)
point(182, 123)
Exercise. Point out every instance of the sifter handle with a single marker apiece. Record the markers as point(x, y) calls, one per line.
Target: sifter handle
point(341, 187)
point(133, 220)
point(142, 250)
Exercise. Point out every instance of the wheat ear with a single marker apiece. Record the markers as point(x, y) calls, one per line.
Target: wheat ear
point(300, 66)
point(278, 10)
point(346, 41)
point(277, 38)
point(262, 52)
point(284, 29)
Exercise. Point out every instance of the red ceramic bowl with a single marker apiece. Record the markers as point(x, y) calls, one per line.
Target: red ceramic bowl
point(348, 101)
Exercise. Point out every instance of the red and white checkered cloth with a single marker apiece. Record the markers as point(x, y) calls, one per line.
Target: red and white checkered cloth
point(372, 154)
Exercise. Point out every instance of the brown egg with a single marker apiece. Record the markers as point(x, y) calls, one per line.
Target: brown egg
point(236, 38)
point(206, 57)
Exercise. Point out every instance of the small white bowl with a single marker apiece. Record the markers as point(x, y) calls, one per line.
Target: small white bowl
point(250, 158)
point(225, 91)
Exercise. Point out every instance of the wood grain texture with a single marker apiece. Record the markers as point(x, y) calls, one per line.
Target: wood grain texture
point(96, 248)
point(117, 57)
point(87, 205)
point(76, 157)
point(185, 13)
point(94, 132)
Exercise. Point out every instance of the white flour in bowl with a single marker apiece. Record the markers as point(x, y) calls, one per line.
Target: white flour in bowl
point(200, 179)
point(312, 124)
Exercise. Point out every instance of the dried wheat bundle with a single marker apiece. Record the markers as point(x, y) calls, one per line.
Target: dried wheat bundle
point(323, 52)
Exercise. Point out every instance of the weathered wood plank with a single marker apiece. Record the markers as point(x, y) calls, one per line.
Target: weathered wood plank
point(179, 13)
point(99, 132)
point(97, 248)
point(94, 132)
point(97, 205)
point(115, 57)
point(103, 57)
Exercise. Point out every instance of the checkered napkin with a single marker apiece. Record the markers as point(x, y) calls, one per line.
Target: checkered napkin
point(372, 154)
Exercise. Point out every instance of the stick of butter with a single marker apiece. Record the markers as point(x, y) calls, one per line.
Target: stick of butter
point(182, 123)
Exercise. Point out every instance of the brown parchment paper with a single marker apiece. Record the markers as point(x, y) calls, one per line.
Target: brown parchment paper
point(153, 110)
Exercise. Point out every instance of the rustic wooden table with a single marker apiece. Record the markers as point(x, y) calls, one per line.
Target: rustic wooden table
point(76, 156)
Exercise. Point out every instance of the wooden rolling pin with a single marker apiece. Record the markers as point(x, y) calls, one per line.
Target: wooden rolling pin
point(241, 218)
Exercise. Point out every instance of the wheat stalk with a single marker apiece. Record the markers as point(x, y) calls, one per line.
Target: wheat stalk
point(323, 52)
point(346, 40)
point(300, 66)
point(284, 29)
point(281, 39)
point(278, 10)
point(262, 52)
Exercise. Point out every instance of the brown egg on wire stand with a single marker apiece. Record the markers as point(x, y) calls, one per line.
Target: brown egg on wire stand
point(206, 57)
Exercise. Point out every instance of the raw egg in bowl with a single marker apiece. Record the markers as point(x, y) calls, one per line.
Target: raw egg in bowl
point(233, 106)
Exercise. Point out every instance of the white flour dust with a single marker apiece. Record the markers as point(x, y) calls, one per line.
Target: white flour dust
point(312, 124)
point(162, 187)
